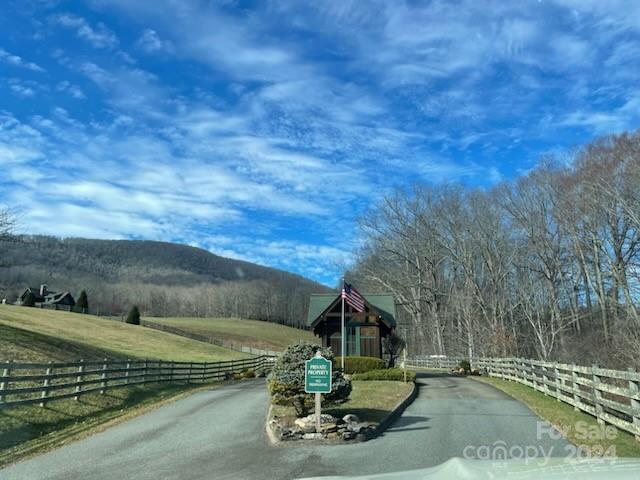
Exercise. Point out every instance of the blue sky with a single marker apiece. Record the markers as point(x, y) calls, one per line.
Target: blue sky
point(261, 130)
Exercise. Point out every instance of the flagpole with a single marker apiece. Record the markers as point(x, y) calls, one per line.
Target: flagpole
point(342, 346)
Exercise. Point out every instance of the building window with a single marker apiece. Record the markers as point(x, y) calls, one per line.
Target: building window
point(369, 342)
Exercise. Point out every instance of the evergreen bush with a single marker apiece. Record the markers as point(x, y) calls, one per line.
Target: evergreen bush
point(133, 317)
point(286, 380)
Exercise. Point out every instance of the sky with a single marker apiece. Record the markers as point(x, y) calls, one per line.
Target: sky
point(263, 130)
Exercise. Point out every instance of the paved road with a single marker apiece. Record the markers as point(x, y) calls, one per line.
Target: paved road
point(219, 434)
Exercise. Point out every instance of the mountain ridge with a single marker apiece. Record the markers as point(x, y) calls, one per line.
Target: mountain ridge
point(106, 268)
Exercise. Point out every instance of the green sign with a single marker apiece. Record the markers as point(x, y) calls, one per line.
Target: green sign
point(317, 375)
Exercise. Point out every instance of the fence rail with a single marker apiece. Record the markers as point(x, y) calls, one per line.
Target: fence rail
point(611, 396)
point(30, 383)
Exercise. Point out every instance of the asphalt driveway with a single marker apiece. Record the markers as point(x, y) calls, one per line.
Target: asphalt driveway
point(219, 434)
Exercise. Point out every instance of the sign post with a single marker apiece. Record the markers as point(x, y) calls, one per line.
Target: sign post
point(317, 379)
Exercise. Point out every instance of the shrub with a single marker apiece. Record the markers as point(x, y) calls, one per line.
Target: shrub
point(392, 345)
point(29, 300)
point(396, 374)
point(358, 364)
point(465, 365)
point(83, 301)
point(286, 380)
point(248, 373)
point(133, 317)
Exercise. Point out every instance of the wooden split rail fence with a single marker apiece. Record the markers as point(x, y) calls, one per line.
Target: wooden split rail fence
point(39, 383)
point(611, 396)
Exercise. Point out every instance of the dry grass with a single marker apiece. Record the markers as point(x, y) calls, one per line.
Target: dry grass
point(251, 333)
point(98, 336)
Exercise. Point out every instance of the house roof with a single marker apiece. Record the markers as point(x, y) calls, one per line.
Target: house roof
point(49, 297)
point(383, 302)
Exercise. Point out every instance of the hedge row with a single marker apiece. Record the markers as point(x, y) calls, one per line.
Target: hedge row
point(358, 364)
point(396, 374)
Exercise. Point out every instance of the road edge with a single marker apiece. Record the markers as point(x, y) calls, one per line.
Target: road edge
point(59, 439)
point(397, 411)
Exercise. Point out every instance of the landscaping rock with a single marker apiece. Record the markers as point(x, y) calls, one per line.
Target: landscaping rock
point(350, 418)
point(305, 425)
point(312, 436)
point(328, 427)
point(348, 435)
point(354, 427)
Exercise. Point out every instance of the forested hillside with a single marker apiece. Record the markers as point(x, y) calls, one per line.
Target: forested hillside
point(161, 278)
point(547, 265)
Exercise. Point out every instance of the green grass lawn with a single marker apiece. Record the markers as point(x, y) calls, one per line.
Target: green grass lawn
point(251, 333)
point(566, 419)
point(371, 401)
point(88, 336)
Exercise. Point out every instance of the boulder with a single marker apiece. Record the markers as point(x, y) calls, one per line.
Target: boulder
point(328, 427)
point(305, 425)
point(348, 435)
point(350, 418)
point(354, 427)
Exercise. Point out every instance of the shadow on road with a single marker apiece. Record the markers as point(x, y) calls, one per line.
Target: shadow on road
point(405, 422)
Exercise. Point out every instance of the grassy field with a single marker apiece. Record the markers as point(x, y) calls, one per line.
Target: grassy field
point(370, 401)
point(251, 333)
point(46, 334)
point(580, 428)
point(34, 335)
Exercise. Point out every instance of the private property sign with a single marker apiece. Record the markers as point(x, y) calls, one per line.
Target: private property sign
point(317, 375)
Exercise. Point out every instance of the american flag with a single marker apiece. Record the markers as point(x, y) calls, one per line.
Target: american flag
point(353, 297)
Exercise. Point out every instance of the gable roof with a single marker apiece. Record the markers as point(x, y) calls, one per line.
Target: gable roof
point(383, 302)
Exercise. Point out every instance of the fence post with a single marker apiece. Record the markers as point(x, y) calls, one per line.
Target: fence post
point(45, 387)
point(597, 396)
point(144, 371)
point(576, 387)
point(534, 377)
point(634, 390)
point(545, 380)
point(79, 379)
point(173, 366)
point(126, 373)
point(559, 383)
point(103, 385)
point(6, 372)
point(204, 371)
point(190, 370)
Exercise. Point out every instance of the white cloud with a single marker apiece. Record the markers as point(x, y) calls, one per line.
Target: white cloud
point(22, 90)
point(74, 90)
point(150, 42)
point(17, 61)
point(99, 36)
